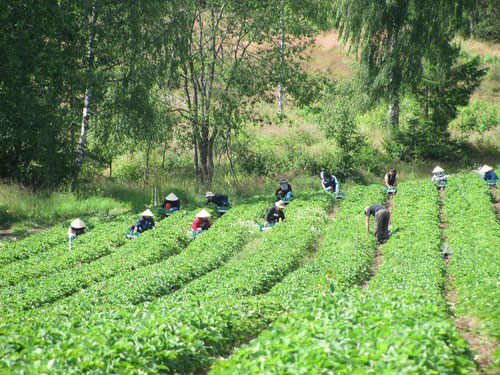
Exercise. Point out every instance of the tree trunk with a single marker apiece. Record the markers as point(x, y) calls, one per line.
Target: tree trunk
point(164, 154)
point(281, 93)
point(80, 152)
point(393, 113)
point(195, 156)
point(111, 168)
point(146, 168)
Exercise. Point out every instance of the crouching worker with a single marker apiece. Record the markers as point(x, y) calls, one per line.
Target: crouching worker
point(201, 223)
point(329, 182)
point(488, 174)
point(439, 177)
point(144, 223)
point(76, 228)
point(382, 219)
point(275, 214)
point(220, 200)
point(171, 202)
point(284, 190)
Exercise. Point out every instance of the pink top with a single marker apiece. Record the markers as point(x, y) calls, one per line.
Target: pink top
point(199, 223)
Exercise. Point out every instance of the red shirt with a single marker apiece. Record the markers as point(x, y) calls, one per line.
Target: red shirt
point(199, 223)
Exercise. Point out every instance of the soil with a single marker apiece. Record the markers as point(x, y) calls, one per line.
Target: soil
point(496, 200)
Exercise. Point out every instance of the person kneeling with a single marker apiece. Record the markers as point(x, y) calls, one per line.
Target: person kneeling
point(76, 228)
point(275, 214)
point(144, 223)
point(201, 223)
point(171, 202)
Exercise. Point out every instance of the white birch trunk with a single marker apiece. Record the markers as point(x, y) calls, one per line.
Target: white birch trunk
point(281, 91)
point(82, 142)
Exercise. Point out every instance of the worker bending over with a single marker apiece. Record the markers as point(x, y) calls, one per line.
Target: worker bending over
point(382, 219)
point(329, 182)
point(220, 200)
point(144, 223)
point(275, 213)
point(201, 222)
point(488, 173)
point(285, 189)
point(438, 174)
point(171, 202)
point(76, 228)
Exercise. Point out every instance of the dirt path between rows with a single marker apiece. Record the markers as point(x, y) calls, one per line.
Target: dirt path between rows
point(496, 200)
point(379, 253)
point(467, 326)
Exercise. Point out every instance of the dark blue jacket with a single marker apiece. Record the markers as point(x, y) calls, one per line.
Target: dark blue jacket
point(144, 224)
point(490, 176)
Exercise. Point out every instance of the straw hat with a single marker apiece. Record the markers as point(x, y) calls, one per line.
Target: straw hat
point(280, 204)
point(147, 213)
point(485, 168)
point(209, 194)
point(283, 181)
point(77, 224)
point(203, 214)
point(438, 169)
point(172, 197)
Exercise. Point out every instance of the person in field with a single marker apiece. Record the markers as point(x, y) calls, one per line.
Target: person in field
point(382, 219)
point(329, 182)
point(171, 202)
point(488, 173)
point(275, 213)
point(201, 222)
point(284, 190)
point(390, 179)
point(76, 228)
point(220, 200)
point(438, 174)
point(144, 223)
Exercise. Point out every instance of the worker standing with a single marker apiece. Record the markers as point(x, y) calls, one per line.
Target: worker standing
point(275, 213)
point(329, 182)
point(201, 222)
point(144, 223)
point(171, 202)
point(284, 190)
point(390, 179)
point(382, 218)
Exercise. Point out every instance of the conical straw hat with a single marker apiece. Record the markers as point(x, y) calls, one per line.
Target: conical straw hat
point(209, 194)
point(280, 204)
point(172, 197)
point(147, 213)
point(77, 224)
point(437, 169)
point(203, 214)
point(485, 168)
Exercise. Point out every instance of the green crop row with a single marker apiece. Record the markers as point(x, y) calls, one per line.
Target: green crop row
point(474, 238)
point(182, 334)
point(399, 325)
point(100, 241)
point(168, 238)
point(207, 252)
point(40, 242)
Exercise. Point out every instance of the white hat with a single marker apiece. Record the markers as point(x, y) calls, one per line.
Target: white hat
point(147, 213)
point(437, 169)
point(77, 224)
point(283, 181)
point(203, 214)
point(172, 197)
point(280, 204)
point(485, 168)
point(209, 194)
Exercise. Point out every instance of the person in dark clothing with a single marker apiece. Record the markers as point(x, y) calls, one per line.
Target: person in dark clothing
point(275, 213)
point(144, 223)
point(329, 182)
point(489, 174)
point(284, 190)
point(382, 219)
point(171, 202)
point(220, 200)
point(390, 178)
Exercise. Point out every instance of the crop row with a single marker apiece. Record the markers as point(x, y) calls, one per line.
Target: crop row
point(168, 238)
point(102, 240)
point(183, 333)
point(398, 325)
point(474, 238)
point(40, 242)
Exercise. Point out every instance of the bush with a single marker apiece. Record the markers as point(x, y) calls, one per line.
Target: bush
point(128, 172)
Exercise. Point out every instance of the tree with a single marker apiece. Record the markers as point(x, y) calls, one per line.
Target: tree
point(229, 56)
point(392, 39)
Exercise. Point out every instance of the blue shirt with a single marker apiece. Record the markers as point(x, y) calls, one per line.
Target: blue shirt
point(490, 176)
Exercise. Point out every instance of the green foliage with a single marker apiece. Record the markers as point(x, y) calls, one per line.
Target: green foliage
point(485, 20)
point(474, 238)
point(128, 172)
point(479, 116)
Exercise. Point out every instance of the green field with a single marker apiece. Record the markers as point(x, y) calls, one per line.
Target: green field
point(302, 298)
